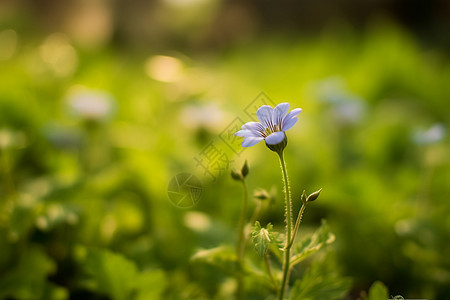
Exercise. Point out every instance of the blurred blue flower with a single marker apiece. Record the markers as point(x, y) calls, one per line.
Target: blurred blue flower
point(343, 107)
point(434, 134)
point(62, 137)
point(273, 122)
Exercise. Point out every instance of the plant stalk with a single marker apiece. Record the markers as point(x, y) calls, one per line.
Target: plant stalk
point(240, 246)
point(297, 224)
point(269, 271)
point(288, 208)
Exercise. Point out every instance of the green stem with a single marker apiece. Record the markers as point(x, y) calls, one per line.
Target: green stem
point(297, 224)
point(288, 207)
point(6, 167)
point(269, 271)
point(256, 213)
point(240, 246)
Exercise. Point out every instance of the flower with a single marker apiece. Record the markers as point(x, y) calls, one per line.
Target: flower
point(273, 122)
point(94, 105)
point(433, 135)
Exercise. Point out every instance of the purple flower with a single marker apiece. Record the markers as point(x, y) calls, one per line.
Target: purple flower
point(273, 122)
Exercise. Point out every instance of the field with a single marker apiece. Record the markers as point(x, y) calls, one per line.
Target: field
point(90, 141)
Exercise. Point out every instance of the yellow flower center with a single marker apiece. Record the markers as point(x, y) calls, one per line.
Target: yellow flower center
point(272, 129)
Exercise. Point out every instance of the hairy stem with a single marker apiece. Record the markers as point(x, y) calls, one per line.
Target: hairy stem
point(297, 224)
point(288, 208)
point(240, 246)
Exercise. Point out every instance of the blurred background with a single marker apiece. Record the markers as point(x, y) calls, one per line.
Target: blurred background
point(103, 102)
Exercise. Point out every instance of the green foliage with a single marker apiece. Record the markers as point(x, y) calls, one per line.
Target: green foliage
point(116, 276)
point(321, 237)
point(55, 292)
point(222, 257)
point(150, 285)
point(28, 279)
point(263, 237)
point(321, 281)
point(67, 181)
point(378, 291)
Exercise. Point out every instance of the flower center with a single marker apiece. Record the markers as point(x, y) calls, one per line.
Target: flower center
point(271, 129)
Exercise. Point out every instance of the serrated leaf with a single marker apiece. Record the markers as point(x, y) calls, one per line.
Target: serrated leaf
point(277, 239)
point(261, 238)
point(264, 237)
point(321, 282)
point(321, 237)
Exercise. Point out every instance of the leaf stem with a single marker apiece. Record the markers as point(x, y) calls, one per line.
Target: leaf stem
point(288, 208)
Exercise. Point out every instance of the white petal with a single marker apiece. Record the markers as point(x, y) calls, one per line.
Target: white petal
point(275, 138)
point(289, 123)
point(293, 113)
point(265, 114)
point(247, 133)
point(290, 119)
point(251, 141)
point(253, 126)
point(279, 112)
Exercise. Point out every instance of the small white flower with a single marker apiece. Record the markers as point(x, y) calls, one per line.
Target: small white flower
point(92, 105)
point(273, 122)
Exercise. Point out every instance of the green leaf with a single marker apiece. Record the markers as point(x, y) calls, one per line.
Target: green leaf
point(111, 273)
point(263, 237)
point(150, 285)
point(118, 277)
point(55, 292)
point(28, 279)
point(321, 281)
point(222, 257)
point(21, 219)
point(321, 237)
point(378, 291)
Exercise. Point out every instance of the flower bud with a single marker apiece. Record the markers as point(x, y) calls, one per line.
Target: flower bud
point(304, 200)
point(313, 196)
point(261, 194)
point(244, 170)
point(236, 175)
point(278, 147)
